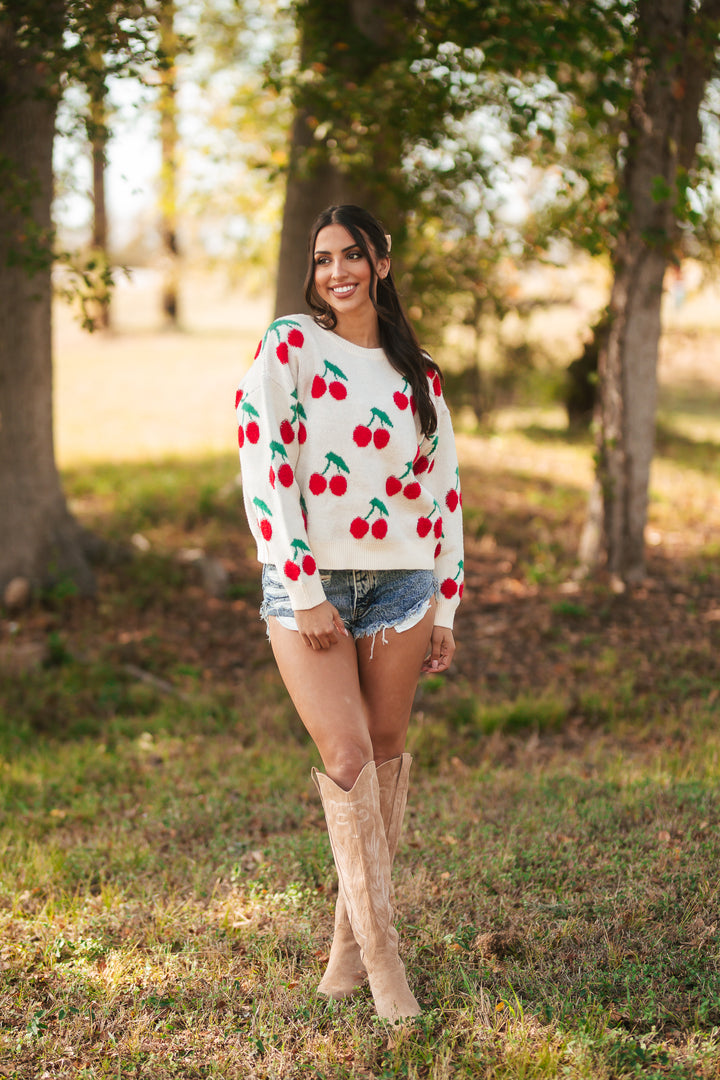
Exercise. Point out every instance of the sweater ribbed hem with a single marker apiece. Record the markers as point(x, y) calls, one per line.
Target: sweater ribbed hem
point(351, 555)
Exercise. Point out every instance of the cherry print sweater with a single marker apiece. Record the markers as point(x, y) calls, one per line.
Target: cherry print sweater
point(336, 473)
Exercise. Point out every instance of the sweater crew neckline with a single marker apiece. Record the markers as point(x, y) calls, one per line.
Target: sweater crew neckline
point(338, 342)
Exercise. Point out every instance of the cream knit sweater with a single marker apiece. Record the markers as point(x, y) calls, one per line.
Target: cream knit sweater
point(336, 473)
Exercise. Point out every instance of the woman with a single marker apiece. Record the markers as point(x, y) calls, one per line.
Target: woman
point(351, 487)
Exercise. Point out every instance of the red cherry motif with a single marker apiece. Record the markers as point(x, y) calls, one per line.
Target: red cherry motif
point(282, 352)
point(337, 384)
point(437, 528)
point(308, 565)
point(271, 477)
point(424, 526)
point(420, 465)
point(266, 529)
point(358, 527)
point(295, 338)
point(292, 571)
point(302, 433)
point(380, 435)
point(450, 585)
point(337, 482)
point(401, 400)
point(241, 435)
point(412, 491)
point(257, 351)
point(461, 590)
point(285, 475)
point(438, 549)
point(238, 397)
point(413, 406)
point(286, 432)
point(393, 485)
point(452, 500)
point(253, 432)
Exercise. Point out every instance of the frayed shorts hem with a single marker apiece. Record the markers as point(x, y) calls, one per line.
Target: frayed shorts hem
point(369, 602)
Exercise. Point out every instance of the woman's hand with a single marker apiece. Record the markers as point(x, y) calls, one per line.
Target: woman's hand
point(319, 626)
point(442, 649)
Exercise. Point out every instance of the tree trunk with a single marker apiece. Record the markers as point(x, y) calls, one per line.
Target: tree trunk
point(305, 197)
point(670, 71)
point(98, 145)
point(39, 540)
point(169, 151)
point(312, 188)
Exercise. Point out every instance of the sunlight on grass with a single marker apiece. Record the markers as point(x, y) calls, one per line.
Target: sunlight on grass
point(166, 883)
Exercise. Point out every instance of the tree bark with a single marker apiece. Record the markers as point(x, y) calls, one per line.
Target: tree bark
point(98, 145)
point(671, 67)
point(306, 195)
point(169, 151)
point(39, 539)
point(311, 189)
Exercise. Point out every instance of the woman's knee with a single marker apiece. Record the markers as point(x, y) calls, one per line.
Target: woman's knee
point(344, 763)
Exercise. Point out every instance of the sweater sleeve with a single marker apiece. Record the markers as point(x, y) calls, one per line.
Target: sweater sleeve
point(270, 433)
point(443, 480)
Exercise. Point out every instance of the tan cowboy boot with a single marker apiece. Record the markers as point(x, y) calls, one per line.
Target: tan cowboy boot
point(360, 850)
point(345, 971)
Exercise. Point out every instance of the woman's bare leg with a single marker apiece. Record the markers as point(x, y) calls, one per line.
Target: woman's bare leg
point(325, 689)
point(388, 683)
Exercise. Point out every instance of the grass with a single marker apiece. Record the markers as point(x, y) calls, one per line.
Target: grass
point(165, 878)
point(166, 885)
point(166, 910)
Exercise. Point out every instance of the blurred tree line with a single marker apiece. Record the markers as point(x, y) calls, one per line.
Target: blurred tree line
point(424, 111)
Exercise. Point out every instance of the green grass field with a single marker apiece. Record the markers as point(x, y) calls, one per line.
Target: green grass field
point(166, 884)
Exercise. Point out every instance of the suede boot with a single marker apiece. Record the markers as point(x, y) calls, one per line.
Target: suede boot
point(360, 849)
point(345, 971)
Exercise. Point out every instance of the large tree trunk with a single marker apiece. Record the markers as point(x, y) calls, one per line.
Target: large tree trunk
point(370, 34)
point(306, 195)
point(671, 67)
point(39, 540)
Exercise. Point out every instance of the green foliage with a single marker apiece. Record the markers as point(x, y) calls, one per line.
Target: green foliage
point(45, 48)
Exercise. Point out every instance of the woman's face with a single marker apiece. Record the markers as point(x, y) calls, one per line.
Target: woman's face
point(343, 275)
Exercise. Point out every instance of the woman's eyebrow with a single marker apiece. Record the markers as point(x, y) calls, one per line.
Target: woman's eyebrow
point(350, 247)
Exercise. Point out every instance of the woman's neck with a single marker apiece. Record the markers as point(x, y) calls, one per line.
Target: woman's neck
point(364, 332)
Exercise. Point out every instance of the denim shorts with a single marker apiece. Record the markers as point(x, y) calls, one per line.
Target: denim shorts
point(368, 600)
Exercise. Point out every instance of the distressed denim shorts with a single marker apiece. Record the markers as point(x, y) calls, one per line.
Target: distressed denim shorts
point(369, 601)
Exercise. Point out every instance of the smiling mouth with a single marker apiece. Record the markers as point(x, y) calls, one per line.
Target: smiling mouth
point(343, 290)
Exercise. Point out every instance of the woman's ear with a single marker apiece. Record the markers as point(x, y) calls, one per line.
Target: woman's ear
point(383, 268)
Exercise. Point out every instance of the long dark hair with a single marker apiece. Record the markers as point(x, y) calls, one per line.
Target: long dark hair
point(397, 336)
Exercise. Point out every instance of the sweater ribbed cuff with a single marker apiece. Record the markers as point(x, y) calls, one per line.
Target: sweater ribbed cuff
point(445, 612)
